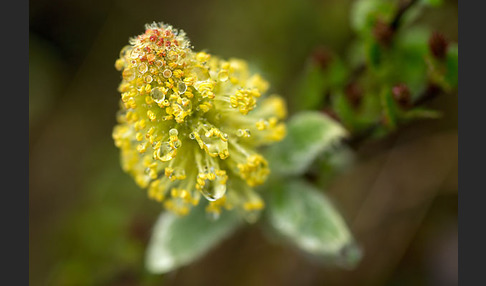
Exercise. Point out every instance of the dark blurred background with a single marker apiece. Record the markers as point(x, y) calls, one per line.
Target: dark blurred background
point(89, 222)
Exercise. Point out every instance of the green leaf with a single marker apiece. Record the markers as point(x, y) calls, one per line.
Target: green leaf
point(337, 73)
point(365, 12)
point(374, 54)
point(311, 88)
point(317, 81)
point(360, 118)
point(422, 113)
point(433, 3)
point(391, 110)
point(407, 64)
point(303, 215)
point(178, 241)
point(345, 111)
point(452, 62)
point(444, 72)
point(410, 17)
point(310, 133)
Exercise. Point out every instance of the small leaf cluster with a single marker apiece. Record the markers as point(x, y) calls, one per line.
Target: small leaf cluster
point(391, 69)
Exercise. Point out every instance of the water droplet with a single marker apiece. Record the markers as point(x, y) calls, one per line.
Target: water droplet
point(243, 133)
point(165, 152)
point(215, 145)
point(173, 56)
point(150, 57)
point(219, 188)
point(214, 190)
point(167, 73)
point(148, 79)
point(157, 94)
point(135, 53)
point(185, 105)
point(192, 136)
point(173, 132)
point(181, 87)
point(186, 102)
point(223, 75)
point(142, 68)
point(128, 74)
point(181, 172)
point(125, 51)
point(177, 144)
point(159, 63)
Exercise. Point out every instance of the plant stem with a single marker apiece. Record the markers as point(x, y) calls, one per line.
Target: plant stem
point(431, 92)
point(395, 23)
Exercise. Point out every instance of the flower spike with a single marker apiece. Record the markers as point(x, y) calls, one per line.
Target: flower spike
point(189, 123)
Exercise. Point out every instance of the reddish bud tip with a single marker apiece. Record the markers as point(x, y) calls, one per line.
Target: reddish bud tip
point(438, 45)
point(321, 56)
point(383, 32)
point(401, 93)
point(354, 93)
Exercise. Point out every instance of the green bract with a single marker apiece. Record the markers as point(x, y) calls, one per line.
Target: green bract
point(309, 135)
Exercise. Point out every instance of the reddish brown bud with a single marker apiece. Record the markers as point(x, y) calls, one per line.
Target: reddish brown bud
point(383, 32)
point(401, 93)
point(354, 93)
point(321, 56)
point(438, 45)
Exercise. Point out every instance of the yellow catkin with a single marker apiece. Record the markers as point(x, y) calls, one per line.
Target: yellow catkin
point(190, 122)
